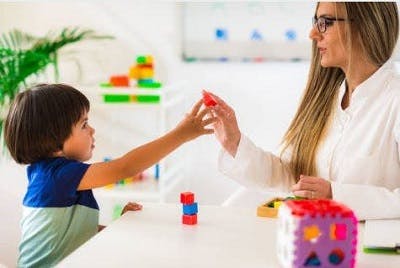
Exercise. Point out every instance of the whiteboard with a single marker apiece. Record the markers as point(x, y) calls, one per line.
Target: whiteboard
point(247, 30)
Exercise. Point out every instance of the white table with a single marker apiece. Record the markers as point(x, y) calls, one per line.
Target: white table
point(223, 237)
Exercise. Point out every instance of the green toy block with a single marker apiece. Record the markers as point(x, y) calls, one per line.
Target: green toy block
point(141, 59)
point(150, 85)
point(148, 98)
point(116, 98)
point(106, 84)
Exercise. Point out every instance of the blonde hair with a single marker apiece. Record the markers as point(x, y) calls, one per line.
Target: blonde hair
point(375, 26)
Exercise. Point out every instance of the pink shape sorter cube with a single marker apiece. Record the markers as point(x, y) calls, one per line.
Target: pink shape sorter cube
point(316, 233)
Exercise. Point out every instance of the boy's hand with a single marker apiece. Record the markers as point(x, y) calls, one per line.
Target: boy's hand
point(194, 124)
point(131, 207)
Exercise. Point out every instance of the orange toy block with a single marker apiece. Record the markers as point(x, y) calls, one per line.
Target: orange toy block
point(119, 80)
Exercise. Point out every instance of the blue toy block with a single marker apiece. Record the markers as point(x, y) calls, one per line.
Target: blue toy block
point(190, 209)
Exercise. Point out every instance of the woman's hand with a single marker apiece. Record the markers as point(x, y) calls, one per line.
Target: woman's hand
point(226, 128)
point(131, 206)
point(194, 124)
point(312, 188)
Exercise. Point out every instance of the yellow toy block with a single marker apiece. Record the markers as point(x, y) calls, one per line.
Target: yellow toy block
point(134, 72)
point(149, 59)
point(146, 73)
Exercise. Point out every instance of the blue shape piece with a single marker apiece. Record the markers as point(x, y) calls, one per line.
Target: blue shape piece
point(221, 34)
point(334, 258)
point(312, 260)
point(291, 35)
point(190, 209)
point(223, 59)
point(107, 159)
point(256, 35)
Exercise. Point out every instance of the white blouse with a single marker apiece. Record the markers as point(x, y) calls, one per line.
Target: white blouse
point(359, 156)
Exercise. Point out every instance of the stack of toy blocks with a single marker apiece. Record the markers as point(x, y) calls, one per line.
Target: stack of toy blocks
point(143, 71)
point(190, 208)
point(316, 233)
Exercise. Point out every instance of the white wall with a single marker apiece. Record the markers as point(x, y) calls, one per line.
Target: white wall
point(264, 95)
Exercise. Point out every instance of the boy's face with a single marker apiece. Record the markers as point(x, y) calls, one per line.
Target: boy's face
point(80, 144)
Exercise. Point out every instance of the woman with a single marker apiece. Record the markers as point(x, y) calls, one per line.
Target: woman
point(343, 142)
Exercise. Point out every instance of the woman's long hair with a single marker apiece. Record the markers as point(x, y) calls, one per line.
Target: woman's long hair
point(376, 26)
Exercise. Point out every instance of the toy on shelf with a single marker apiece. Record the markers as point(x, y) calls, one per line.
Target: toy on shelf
point(189, 208)
point(316, 233)
point(119, 81)
point(143, 73)
point(208, 100)
point(134, 179)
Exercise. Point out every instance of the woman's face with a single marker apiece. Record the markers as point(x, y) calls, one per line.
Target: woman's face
point(331, 43)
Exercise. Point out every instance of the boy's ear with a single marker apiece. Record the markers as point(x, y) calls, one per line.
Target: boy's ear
point(58, 153)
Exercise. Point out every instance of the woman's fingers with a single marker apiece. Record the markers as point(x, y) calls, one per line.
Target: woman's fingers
point(305, 194)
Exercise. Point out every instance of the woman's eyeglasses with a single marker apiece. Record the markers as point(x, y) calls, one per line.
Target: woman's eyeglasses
point(322, 23)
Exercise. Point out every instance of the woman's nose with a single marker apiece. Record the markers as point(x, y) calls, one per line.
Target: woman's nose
point(314, 34)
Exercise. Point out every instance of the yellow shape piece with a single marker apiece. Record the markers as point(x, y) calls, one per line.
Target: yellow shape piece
point(109, 186)
point(129, 180)
point(311, 232)
point(277, 204)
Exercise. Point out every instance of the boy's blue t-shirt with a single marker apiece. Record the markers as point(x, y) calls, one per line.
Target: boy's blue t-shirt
point(57, 218)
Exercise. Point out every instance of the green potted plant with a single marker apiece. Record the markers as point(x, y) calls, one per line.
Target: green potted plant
point(23, 57)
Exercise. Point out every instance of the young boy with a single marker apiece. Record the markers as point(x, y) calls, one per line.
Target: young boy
point(47, 127)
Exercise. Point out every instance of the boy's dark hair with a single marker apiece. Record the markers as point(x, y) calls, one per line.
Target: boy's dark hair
point(40, 120)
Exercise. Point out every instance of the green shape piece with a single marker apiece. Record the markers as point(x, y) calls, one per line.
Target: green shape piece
point(148, 98)
point(117, 211)
point(116, 98)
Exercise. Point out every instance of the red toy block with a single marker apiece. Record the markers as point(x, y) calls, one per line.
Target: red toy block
point(208, 100)
point(119, 81)
point(189, 219)
point(187, 198)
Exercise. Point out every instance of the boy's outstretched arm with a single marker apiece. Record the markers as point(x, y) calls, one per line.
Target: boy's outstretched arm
point(193, 125)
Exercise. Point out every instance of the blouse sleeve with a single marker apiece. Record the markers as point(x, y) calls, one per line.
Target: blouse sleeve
point(367, 201)
point(256, 169)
